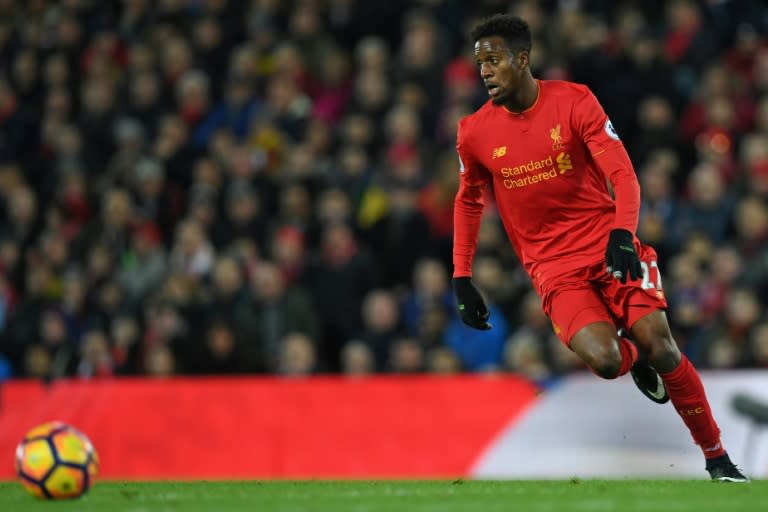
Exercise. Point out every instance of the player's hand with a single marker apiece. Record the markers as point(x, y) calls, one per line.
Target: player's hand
point(472, 309)
point(620, 256)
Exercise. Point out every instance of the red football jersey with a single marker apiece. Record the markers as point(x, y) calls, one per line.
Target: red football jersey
point(548, 167)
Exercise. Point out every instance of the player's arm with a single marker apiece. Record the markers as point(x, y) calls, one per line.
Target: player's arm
point(467, 216)
point(612, 159)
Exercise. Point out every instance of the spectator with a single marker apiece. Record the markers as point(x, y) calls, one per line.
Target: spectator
point(659, 207)
point(164, 325)
point(684, 297)
point(443, 361)
point(357, 359)
point(144, 264)
point(129, 137)
point(523, 354)
point(17, 130)
point(37, 363)
point(60, 349)
point(431, 290)
point(687, 42)
point(434, 320)
point(724, 272)
point(112, 228)
point(175, 151)
point(24, 222)
point(503, 288)
point(223, 353)
point(401, 226)
point(338, 281)
point(242, 217)
point(406, 356)
point(757, 356)
point(278, 310)
point(145, 103)
point(330, 93)
point(381, 324)
point(289, 253)
point(125, 334)
point(73, 305)
point(193, 97)
point(176, 58)
point(296, 356)
point(160, 362)
point(95, 357)
point(657, 129)
point(751, 223)
point(233, 113)
point(436, 203)
point(723, 346)
point(210, 50)
point(708, 209)
point(754, 158)
point(98, 115)
point(231, 306)
point(192, 254)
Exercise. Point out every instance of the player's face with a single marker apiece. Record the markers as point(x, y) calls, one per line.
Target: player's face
point(500, 67)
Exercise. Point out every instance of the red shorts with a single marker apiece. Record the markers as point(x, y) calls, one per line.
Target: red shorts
point(587, 295)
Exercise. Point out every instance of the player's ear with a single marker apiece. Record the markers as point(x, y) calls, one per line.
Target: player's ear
point(522, 60)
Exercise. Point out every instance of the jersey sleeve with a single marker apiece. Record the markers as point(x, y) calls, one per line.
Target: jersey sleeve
point(608, 153)
point(471, 172)
point(468, 204)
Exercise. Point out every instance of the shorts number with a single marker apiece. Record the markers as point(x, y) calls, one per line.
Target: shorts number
point(647, 284)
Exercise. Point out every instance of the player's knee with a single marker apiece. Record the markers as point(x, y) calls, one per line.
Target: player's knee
point(655, 339)
point(664, 354)
point(606, 361)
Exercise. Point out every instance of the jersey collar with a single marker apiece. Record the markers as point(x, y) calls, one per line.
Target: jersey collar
point(529, 109)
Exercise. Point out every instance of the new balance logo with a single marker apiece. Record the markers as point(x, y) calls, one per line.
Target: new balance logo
point(499, 152)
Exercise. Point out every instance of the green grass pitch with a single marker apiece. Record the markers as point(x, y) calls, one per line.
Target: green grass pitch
point(405, 496)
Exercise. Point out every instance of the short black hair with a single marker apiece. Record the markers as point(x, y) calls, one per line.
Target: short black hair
point(514, 30)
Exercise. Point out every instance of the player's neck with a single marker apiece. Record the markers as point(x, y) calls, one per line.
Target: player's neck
point(526, 95)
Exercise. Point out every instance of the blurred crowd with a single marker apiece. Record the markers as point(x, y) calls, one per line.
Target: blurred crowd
point(266, 186)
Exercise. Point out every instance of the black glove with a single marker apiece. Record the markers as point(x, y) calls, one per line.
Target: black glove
point(471, 306)
point(620, 256)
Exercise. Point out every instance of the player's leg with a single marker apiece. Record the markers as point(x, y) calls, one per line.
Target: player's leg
point(582, 321)
point(610, 355)
point(652, 334)
point(630, 300)
point(640, 306)
point(599, 346)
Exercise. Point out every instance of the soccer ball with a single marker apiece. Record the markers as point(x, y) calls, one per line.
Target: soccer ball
point(55, 460)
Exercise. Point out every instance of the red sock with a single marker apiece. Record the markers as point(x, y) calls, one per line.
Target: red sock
point(628, 355)
point(687, 395)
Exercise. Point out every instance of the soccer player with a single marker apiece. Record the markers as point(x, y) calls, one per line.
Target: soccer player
point(548, 149)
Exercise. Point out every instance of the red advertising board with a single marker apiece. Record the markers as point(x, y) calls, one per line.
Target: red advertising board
point(325, 427)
